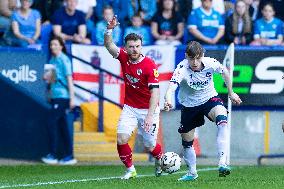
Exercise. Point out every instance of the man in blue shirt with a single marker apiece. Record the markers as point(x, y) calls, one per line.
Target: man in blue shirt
point(70, 24)
point(205, 24)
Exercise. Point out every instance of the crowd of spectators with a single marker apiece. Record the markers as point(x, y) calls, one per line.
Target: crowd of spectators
point(161, 22)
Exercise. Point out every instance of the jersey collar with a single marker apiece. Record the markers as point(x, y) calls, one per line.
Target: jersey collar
point(138, 61)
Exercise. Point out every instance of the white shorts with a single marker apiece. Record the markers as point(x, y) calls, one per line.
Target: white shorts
point(131, 118)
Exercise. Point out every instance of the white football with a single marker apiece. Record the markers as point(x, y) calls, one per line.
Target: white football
point(171, 162)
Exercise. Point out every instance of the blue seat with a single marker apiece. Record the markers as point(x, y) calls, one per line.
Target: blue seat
point(45, 34)
point(93, 37)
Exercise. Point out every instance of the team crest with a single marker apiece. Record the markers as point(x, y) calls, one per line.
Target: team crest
point(208, 74)
point(139, 71)
point(156, 73)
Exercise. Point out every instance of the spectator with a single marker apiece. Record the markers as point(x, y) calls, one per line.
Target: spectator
point(70, 24)
point(278, 7)
point(47, 8)
point(138, 28)
point(253, 8)
point(268, 30)
point(87, 7)
point(6, 9)
point(119, 8)
point(101, 26)
point(167, 25)
point(146, 9)
point(238, 26)
point(217, 5)
point(26, 26)
point(205, 24)
point(184, 7)
point(62, 101)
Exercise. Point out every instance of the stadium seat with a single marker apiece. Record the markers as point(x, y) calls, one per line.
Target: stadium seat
point(151, 36)
point(45, 33)
point(93, 37)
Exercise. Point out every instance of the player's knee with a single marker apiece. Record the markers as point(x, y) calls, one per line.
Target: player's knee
point(221, 120)
point(121, 139)
point(187, 144)
point(149, 145)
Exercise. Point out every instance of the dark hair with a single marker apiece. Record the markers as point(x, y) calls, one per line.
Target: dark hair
point(194, 50)
point(268, 4)
point(132, 37)
point(61, 42)
point(136, 15)
point(161, 7)
point(107, 7)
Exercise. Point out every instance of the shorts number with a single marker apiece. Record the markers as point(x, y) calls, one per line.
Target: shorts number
point(154, 128)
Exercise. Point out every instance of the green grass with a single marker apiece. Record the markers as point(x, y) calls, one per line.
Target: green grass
point(266, 177)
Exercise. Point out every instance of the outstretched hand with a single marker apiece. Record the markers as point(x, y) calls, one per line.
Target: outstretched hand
point(235, 99)
point(113, 23)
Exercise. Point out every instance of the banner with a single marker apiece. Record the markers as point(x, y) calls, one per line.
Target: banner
point(87, 77)
point(25, 68)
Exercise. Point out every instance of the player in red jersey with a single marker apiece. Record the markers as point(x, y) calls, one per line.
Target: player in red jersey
point(141, 99)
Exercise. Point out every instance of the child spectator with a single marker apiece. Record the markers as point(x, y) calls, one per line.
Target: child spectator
point(268, 30)
point(238, 26)
point(101, 26)
point(119, 9)
point(167, 25)
point(138, 28)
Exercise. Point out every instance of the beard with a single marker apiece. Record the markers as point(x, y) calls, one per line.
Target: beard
point(134, 57)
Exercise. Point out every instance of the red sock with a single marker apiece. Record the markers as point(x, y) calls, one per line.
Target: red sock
point(157, 151)
point(125, 154)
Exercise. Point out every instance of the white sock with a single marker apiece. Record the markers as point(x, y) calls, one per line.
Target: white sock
point(222, 143)
point(132, 168)
point(190, 159)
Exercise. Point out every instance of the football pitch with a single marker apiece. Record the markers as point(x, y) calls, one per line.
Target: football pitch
point(90, 177)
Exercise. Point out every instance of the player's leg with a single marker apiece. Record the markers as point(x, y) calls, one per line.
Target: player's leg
point(150, 140)
point(218, 114)
point(190, 119)
point(126, 126)
point(189, 156)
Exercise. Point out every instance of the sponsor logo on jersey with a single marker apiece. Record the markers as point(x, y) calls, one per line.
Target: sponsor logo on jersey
point(198, 85)
point(208, 74)
point(156, 73)
point(131, 79)
point(139, 71)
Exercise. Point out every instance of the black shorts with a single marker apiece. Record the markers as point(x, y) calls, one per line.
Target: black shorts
point(192, 117)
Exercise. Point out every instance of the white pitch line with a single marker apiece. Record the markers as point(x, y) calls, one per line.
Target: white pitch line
point(88, 179)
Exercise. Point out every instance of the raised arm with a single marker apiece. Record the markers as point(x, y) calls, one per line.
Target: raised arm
point(108, 42)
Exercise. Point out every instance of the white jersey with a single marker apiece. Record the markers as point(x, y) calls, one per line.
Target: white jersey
point(196, 87)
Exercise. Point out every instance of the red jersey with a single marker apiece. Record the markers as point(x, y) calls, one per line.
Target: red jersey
point(138, 77)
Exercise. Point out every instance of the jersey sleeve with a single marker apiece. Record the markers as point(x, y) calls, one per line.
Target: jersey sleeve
point(178, 74)
point(153, 76)
point(217, 66)
point(121, 55)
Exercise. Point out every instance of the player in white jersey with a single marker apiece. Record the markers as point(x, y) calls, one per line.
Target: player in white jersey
point(198, 97)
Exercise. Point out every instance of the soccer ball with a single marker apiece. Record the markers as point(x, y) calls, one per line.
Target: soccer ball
point(171, 162)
